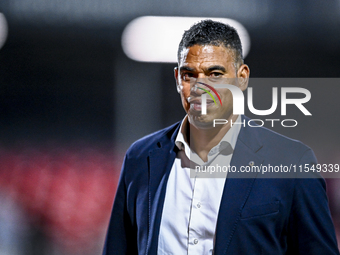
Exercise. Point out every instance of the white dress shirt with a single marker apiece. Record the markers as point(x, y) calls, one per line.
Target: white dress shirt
point(192, 201)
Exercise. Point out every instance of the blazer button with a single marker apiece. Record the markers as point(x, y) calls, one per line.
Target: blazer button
point(251, 163)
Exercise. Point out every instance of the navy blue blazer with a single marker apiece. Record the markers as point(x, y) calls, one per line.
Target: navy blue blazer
point(256, 216)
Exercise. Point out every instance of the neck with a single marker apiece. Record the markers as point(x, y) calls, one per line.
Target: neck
point(203, 140)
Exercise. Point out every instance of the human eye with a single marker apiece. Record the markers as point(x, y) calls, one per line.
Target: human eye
point(216, 74)
point(187, 75)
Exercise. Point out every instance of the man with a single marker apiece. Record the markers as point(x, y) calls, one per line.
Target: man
point(163, 207)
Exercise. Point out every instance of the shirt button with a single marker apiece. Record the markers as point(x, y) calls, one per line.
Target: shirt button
point(195, 241)
point(198, 205)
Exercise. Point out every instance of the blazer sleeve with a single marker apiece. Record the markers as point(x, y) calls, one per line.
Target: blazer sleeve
point(121, 235)
point(311, 230)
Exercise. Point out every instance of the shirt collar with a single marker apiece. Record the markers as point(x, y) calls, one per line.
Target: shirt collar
point(180, 139)
point(229, 138)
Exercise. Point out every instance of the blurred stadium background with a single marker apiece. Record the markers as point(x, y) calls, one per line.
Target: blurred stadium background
point(71, 102)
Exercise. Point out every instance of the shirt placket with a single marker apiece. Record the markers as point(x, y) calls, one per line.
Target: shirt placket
point(196, 219)
point(195, 235)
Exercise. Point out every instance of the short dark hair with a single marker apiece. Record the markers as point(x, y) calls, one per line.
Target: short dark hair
point(208, 32)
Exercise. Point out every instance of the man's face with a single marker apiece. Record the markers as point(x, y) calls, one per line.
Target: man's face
point(211, 65)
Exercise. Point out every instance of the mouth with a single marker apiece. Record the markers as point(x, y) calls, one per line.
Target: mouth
point(196, 103)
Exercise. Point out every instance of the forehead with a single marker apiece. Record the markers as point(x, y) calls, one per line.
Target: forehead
point(205, 55)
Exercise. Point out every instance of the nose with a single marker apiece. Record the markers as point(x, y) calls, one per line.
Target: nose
point(206, 88)
point(198, 88)
point(201, 76)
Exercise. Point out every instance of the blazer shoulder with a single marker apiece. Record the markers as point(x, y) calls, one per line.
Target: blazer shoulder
point(270, 144)
point(153, 141)
point(285, 141)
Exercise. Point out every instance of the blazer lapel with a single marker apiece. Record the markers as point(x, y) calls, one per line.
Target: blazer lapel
point(160, 164)
point(237, 189)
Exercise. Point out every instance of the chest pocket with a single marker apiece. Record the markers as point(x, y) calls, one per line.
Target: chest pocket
point(260, 210)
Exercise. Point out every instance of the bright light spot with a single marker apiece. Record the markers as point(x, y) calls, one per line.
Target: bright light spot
point(156, 39)
point(3, 30)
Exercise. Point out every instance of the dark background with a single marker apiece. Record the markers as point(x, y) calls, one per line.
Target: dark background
point(62, 66)
point(65, 81)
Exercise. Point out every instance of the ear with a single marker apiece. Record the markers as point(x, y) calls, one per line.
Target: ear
point(243, 76)
point(177, 81)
